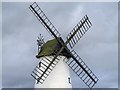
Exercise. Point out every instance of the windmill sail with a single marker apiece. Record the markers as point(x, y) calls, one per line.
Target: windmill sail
point(78, 31)
point(48, 62)
point(82, 70)
point(46, 69)
point(36, 10)
point(41, 73)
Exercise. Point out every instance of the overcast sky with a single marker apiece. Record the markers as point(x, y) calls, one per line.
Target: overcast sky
point(98, 47)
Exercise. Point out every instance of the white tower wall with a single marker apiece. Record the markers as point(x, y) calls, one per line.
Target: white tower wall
point(58, 78)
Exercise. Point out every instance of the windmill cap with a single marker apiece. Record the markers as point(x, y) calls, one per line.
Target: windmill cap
point(51, 47)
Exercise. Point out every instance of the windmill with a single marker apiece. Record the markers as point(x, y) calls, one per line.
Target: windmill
point(58, 47)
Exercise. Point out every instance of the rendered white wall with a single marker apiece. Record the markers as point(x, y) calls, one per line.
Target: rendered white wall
point(58, 78)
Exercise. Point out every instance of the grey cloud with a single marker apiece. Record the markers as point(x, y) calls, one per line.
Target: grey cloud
point(98, 47)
